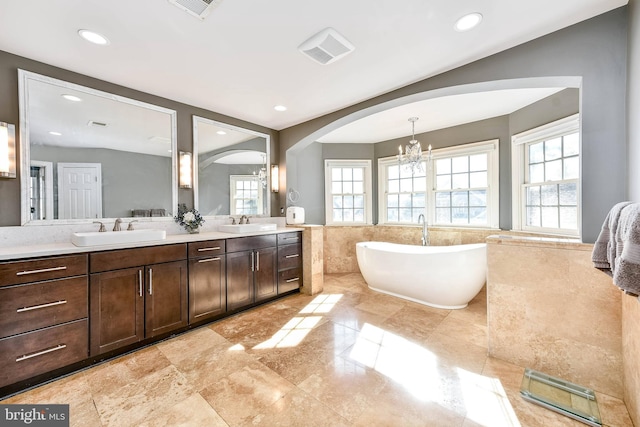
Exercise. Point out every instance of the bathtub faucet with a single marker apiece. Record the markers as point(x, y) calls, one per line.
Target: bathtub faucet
point(425, 230)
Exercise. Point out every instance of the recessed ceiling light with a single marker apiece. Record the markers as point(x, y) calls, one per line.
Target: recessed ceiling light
point(280, 108)
point(55, 133)
point(71, 98)
point(93, 37)
point(221, 132)
point(468, 22)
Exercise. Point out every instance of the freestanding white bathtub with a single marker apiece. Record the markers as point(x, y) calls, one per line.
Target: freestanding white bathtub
point(439, 276)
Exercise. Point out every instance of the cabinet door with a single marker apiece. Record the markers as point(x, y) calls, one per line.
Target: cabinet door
point(166, 298)
point(266, 273)
point(239, 279)
point(117, 309)
point(207, 288)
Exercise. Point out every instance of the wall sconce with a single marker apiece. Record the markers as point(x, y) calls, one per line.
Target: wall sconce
point(275, 178)
point(7, 150)
point(185, 160)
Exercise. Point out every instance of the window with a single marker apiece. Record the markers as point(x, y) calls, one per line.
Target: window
point(459, 188)
point(246, 195)
point(348, 191)
point(546, 167)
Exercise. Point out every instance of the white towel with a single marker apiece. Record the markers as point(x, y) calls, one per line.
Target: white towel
point(605, 250)
point(626, 272)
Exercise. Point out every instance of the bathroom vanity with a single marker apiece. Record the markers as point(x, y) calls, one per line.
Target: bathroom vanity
point(60, 313)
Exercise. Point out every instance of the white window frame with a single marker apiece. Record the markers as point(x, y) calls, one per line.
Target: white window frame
point(491, 147)
point(329, 164)
point(519, 142)
point(233, 179)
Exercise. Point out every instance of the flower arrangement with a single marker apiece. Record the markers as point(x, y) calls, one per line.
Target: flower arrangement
point(190, 219)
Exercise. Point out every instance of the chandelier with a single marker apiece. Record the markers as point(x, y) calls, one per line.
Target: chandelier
point(412, 156)
point(262, 174)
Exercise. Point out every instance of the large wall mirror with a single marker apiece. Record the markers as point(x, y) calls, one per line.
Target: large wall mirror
point(231, 169)
point(88, 154)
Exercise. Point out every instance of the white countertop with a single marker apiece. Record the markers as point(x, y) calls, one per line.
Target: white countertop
point(65, 248)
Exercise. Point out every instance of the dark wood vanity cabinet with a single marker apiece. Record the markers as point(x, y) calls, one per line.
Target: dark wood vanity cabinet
point(289, 262)
point(251, 270)
point(136, 294)
point(43, 316)
point(207, 280)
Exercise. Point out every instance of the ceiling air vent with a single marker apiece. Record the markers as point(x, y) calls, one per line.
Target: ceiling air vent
point(94, 123)
point(197, 8)
point(326, 47)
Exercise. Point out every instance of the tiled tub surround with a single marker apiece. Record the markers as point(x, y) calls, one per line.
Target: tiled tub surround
point(550, 310)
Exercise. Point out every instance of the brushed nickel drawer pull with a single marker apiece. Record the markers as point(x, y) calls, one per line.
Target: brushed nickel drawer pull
point(35, 307)
point(292, 256)
point(295, 279)
point(150, 281)
point(290, 238)
point(217, 248)
point(44, 270)
point(257, 261)
point(209, 259)
point(140, 282)
point(40, 353)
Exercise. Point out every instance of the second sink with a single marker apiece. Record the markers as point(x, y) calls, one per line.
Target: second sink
point(247, 228)
point(92, 238)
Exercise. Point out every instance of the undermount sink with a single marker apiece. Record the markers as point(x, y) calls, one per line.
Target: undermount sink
point(247, 228)
point(93, 238)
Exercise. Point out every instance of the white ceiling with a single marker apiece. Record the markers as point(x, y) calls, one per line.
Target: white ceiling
point(242, 60)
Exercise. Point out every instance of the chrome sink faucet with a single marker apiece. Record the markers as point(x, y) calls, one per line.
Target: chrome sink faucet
point(244, 219)
point(116, 226)
point(425, 230)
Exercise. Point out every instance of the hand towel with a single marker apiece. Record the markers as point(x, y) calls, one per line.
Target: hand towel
point(604, 250)
point(626, 274)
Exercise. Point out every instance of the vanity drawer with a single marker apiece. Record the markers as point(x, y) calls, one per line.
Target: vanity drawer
point(34, 270)
point(289, 256)
point(249, 243)
point(289, 280)
point(26, 355)
point(206, 248)
point(289, 238)
point(126, 258)
point(38, 305)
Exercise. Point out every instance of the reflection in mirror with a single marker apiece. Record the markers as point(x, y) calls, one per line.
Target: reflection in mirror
point(231, 176)
point(89, 154)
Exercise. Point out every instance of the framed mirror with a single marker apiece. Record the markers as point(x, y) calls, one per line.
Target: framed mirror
point(88, 154)
point(231, 169)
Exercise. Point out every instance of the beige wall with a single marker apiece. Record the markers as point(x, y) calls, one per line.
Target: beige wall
point(548, 309)
point(631, 355)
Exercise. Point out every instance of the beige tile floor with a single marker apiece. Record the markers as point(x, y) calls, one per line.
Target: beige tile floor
point(346, 357)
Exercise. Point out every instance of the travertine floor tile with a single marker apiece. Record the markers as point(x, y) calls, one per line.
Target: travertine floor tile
point(192, 411)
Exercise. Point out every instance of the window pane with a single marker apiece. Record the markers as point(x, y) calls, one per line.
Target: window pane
point(337, 215)
point(478, 215)
point(443, 199)
point(549, 195)
point(405, 200)
point(347, 187)
point(347, 215)
point(336, 174)
point(358, 187)
point(569, 217)
point(536, 153)
point(392, 200)
point(418, 200)
point(533, 216)
point(348, 201)
point(406, 185)
point(394, 186)
point(553, 149)
point(337, 202)
point(405, 214)
point(569, 194)
point(393, 172)
point(571, 145)
point(478, 179)
point(358, 174)
point(460, 180)
point(459, 215)
point(533, 195)
point(553, 170)
point(392, 215)
point(443, 182)
point(550, 217)
point(358, 202)
point(358, 215)
point(336, 188)
point(443, 166)
point(460, 198)
point(478, 162)
point(443, 215)
point(416, 214)
point(536, 173)
point(420, 184)
point(571, 168)
point(478, 198)
point(347, 174)
point(460, 164)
